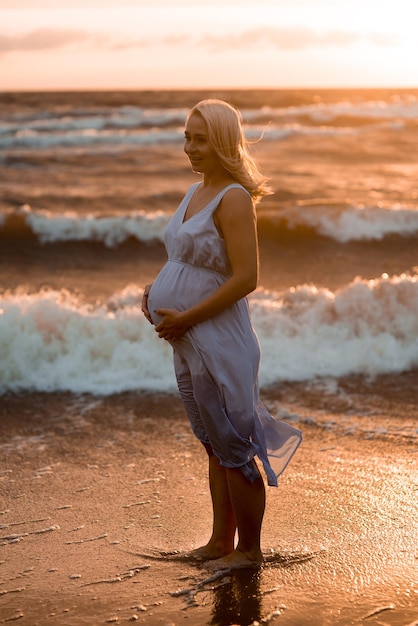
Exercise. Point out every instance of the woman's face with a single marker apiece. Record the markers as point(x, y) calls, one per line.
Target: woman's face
point(202, 156)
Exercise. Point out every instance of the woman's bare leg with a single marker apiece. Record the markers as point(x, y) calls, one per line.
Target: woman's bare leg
point(248, 503)
point(224, 526)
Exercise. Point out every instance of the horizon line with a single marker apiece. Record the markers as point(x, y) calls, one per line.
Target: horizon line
point(207, 88)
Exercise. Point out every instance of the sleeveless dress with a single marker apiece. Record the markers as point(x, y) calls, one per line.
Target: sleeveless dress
point(216, 361)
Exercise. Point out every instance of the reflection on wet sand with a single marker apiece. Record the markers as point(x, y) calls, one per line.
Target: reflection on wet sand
point(237, 599)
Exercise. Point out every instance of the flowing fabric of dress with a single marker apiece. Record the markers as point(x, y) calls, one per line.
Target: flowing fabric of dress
point(216, 361)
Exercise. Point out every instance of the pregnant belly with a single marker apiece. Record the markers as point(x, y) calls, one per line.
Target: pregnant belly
point(180, 286)
point(164, 295)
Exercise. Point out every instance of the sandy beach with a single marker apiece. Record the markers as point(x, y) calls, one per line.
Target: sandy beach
point(100, 496)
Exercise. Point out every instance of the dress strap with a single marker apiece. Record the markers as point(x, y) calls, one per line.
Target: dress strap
point(216, 200)
point(233, 186)
point(191, 191)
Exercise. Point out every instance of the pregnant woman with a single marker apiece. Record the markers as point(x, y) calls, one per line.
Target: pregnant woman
point(198, 303)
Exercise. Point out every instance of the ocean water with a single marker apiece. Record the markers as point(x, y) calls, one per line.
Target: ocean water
point(89, 181)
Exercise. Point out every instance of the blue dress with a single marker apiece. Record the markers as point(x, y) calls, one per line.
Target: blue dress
point(216, 361)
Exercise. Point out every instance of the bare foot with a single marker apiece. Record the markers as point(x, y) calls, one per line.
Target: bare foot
point(207, 553)
point(237, 560)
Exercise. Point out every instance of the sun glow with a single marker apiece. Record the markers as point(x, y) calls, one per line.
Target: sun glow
point(294, 44)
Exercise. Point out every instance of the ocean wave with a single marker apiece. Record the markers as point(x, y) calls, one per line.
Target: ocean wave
point(349, 223)
point(111, 231)
point(33, 140)
point(130, 126)
point(108, 139)
point(399, 109)
point(100, 118)
point(78, 120)
point(52, 341)
point(342, 224)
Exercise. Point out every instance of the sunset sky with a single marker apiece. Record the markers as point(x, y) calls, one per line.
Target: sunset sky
point(52, 44)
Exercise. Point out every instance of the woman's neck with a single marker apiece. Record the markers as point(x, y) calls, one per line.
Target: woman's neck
point(217, 180)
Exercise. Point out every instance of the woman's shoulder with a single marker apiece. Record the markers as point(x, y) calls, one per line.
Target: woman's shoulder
point(236, 193)
point(236, 189)
point(235, 202)
point(233, 194)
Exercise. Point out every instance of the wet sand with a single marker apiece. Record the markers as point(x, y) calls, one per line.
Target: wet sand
point(97, 492)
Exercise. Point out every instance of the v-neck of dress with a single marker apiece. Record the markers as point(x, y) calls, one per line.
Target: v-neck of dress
point(187, 204)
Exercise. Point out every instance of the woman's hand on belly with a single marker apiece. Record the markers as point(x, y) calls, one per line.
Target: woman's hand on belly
point(172, 326)
point(145, 303)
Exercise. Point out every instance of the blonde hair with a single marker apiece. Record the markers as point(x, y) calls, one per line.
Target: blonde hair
point(226, 137)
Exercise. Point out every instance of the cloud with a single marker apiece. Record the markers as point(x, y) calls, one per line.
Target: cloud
point(289, 39)
point(54, 38)
point(42, 39)
point(281, 38)
point(383, 39)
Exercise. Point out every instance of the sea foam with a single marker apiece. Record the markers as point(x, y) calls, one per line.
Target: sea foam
point(352, 223)
point(355, 223)
point(51, 341)
point(49, 227)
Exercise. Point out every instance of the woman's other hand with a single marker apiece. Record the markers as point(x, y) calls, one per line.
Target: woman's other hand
point(145, 303)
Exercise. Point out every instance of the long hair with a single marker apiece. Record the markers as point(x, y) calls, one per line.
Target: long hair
point(226, 137)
